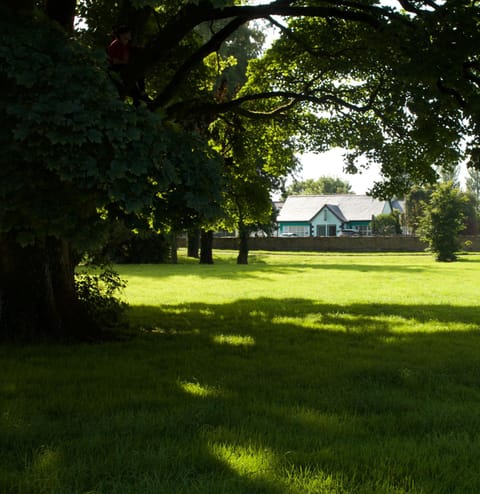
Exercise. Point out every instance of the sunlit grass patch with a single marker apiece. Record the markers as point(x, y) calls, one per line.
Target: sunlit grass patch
point(347, 322)
point(234, 340)
point(310, 321)
point(382, 323)
point(250, 461)
point(197, 389)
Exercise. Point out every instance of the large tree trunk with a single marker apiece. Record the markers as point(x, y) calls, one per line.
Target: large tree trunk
point(193, 242)
point(38, 300)
point(206, 247)
point(242, 257)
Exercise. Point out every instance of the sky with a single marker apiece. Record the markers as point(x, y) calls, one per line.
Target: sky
point(330, 164)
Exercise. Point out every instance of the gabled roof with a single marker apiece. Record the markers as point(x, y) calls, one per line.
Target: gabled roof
point(334, 208)
point(349, 206)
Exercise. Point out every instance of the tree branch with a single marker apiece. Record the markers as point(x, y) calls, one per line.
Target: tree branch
point(294, 98)
point(211, 46)
point(264, 11)
point(432, 4)
point(452, 92)
point(409, 7)
point(192, 15)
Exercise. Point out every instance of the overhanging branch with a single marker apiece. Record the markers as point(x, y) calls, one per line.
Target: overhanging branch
point(192, 15)
point(293, 98)
point(211, 46)
point(452, 92)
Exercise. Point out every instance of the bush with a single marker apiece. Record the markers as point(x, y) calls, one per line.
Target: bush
point(146, 248)
point(127, 247)
point(386, 224)
point(443, 221)
point(100, 294)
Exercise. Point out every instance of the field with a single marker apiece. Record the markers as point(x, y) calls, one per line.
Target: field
point(299, 373)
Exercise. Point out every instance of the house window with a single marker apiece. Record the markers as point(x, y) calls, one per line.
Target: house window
point(321, 231)
point(325, 214)
point(297, 230)
point(332, 230)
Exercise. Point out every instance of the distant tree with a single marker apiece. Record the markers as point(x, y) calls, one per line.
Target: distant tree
point(193, 242)
point(470, 213)
point(256, 157)
point(415, 203)
point(244, 44)
point(473, 192)
point(443, 221)
point(258, 153)
point(323, 185)
point(473, 184)
point(386, 224)
point(206, 247)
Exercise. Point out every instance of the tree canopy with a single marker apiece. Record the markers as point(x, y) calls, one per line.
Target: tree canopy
point(395, 82)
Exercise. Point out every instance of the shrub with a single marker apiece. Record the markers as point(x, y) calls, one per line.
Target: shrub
point(443, 221)
point(100, 293)
point(386, 224)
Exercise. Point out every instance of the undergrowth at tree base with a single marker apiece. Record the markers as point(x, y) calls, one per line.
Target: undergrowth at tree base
point(100, 292)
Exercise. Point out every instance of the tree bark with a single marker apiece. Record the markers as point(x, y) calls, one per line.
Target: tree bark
point(38, 299)
point(193, 242)
point(206, 247)
point(242, 257)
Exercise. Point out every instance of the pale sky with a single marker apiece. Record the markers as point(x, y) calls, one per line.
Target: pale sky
point(331, 164)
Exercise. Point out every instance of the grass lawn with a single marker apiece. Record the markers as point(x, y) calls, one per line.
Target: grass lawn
point(299, 373)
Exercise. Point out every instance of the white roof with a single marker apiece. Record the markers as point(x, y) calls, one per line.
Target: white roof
point(352, 207)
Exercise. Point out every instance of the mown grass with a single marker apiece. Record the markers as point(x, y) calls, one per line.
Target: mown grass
point(299, 373)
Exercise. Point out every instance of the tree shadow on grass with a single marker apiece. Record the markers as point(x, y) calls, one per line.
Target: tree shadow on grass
point(363, 401)
point(258, 396)
point(261, 268)
point(363, 317)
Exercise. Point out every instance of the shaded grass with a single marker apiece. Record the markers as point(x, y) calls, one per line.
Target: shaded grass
point(295, 374)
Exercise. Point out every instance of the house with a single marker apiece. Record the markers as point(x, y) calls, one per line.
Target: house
point(328, 215)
